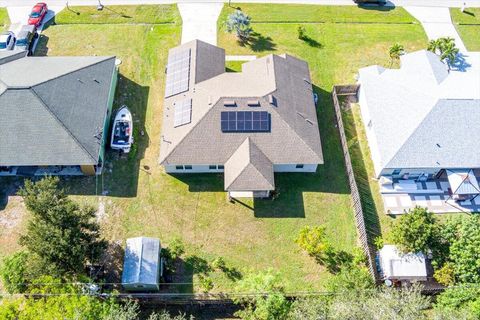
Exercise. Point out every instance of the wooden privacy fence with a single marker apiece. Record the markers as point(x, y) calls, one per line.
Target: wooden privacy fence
point(364, 236)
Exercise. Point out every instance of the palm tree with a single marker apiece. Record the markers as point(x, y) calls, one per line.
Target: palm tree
point(434, 45)
point(240, 23)
point(445, 48)
point(396, 51)
point(449, 53)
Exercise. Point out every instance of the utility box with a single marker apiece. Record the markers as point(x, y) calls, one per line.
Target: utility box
point(142, 266)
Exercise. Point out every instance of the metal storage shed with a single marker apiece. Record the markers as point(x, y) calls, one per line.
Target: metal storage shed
point(142, 265)
point(397, 266)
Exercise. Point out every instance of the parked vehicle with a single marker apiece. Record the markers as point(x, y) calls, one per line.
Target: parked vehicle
point(7, 41)
point(25, 38)
point(38, 13)
point(122, 132)
point(378, 2)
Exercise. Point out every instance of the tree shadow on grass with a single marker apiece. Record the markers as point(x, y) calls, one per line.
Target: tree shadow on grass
point(258, 43)
point(312, 42)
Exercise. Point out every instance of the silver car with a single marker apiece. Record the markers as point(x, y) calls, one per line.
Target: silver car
point(7, 41)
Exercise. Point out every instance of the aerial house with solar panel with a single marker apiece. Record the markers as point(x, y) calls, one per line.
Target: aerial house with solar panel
point(247, 124)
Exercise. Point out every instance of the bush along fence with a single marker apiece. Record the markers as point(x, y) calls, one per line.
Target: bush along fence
point(366, 239)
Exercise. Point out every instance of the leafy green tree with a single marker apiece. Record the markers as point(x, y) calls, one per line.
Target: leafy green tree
point(465, 248)
point(311, 308)
point(460, 299)
point(60, 233)
point(14, 272)
point(314, 241)
point(396, 51)
point(266, 300)
point(416, 231)
point(239, 22)
point(386, 303)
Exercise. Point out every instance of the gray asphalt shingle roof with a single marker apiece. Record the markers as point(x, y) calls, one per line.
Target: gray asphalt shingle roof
point(54, 109)
point(294, 136)
point(248, 169)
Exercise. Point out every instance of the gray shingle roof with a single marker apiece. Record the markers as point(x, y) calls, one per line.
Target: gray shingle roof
point(294, 135)
point(54, 109)
point(248, 169)
point(407, 111)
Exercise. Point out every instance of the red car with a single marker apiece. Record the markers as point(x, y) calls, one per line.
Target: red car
point(38, 13)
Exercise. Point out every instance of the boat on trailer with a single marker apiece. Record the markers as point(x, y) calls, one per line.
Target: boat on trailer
point(122, 131)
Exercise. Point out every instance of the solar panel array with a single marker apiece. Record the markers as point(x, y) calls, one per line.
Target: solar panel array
point(178, 73)
point(245, 121)
point(183, 112)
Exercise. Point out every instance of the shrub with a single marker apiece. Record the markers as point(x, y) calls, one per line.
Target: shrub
point(302, 32)
point(445, 275)
point(14, 272)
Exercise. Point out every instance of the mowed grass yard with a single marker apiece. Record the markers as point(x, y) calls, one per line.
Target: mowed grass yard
point(340, 41)
point(256, 235)
point(468, 26)
point(4, 20)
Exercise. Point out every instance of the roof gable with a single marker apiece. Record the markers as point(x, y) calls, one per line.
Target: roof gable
point(248, 169)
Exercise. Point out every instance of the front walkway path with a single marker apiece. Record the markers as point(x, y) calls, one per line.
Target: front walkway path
point(199, 21)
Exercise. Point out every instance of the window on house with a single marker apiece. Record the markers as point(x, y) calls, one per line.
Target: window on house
point(188, 167)
point(179, 167)
point(212, 167)
point(299, 166)
point(396, 172)
point(221, 167)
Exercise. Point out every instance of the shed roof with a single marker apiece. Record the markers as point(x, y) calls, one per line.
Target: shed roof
point(396, 265)
point(142, 261)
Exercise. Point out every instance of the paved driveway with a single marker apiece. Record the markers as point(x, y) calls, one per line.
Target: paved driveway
point(437, 23)
point(19, 16)
point(199, 21)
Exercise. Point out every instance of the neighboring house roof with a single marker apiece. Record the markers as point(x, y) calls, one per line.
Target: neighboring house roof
point(53, 109)
point(421, 115)
point(280, 84)
point(395, 265)
point(142, 261)
point(248, 169)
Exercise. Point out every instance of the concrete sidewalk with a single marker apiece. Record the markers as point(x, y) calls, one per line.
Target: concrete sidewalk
point(199, 21)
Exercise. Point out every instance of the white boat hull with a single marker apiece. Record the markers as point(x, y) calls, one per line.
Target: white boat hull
point(122, 131)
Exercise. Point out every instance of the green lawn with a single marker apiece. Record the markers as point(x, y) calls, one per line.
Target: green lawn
point(234, 66)
point(335, 52)
point(467, 24)
point(4, 20)
point(149, 14)
point(312, 13)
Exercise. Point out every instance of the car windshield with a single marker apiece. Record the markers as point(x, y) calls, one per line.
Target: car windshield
point(35, 15)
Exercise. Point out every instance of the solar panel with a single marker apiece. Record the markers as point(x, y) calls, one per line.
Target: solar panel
point(245, 121)
point(178, 73)
point(183, 112)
